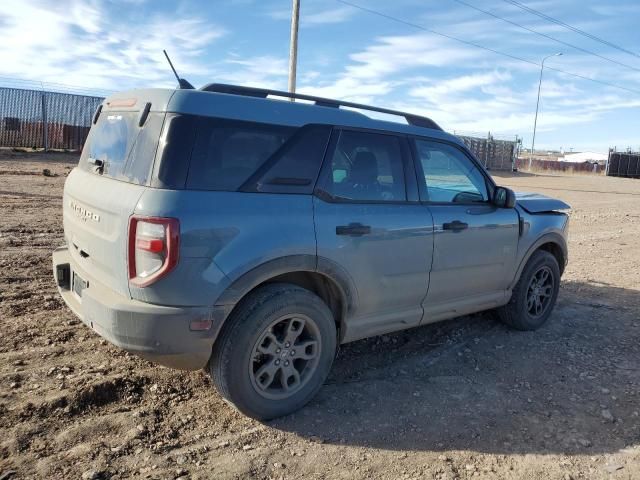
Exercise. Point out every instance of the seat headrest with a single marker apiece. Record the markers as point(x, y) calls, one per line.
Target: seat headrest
point(364, 168)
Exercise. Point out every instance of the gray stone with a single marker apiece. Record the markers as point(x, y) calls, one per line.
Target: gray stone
point(91, 475)
point(613, 467)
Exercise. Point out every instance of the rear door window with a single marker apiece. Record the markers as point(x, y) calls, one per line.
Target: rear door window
point(227, 152)
point(366, 167)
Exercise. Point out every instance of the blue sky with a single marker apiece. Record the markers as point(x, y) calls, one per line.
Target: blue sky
point(350, 54)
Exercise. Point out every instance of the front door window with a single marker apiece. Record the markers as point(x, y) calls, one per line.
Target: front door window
point(449, 175)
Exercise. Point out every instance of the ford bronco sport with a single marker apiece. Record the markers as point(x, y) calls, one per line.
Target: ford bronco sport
point(224, 229)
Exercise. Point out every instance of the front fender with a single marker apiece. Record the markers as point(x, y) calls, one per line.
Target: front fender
point(550, 237)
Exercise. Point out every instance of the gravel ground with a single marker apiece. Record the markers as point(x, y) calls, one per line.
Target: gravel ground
point(462, 399)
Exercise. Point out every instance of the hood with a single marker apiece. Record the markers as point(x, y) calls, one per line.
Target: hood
point(536, 203)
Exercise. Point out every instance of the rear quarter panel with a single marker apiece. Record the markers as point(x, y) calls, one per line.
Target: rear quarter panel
point(222, 236)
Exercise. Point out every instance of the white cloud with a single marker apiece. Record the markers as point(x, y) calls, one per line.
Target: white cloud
point(613, 10)
point(507, 111)
point(394, 54)
point(484, 99)
point(91, 43)
point(87, 44)
point(313, 17)
point(379, 68)
point(352, 89)
point(478, 97)
point(334, 15)
point(264, 71)
point(443, 88)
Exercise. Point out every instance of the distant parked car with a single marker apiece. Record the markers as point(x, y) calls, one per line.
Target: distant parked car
point(221, 229)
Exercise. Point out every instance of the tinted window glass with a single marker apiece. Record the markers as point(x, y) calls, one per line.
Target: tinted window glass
point(294, 168)
point(126, 150)
point(226, 153)
point(110, 140)
point(449, 175)
point(176, 143)
point(366, 167)
point(144, 149)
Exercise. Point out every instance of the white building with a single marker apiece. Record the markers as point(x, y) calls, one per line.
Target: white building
point(582, 157)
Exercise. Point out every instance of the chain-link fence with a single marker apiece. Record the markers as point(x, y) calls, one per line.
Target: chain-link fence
point(42, 119)
point(34, 118)
point(494, 153)
point(623, 164)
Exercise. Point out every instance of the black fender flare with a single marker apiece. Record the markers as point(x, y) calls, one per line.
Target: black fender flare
point(247, 281)
point(550, 237)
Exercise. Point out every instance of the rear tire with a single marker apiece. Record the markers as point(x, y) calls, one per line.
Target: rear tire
point(535, 294)
point(275, 351)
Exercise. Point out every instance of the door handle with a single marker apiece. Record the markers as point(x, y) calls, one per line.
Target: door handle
point(353, 229)
point(455, 226)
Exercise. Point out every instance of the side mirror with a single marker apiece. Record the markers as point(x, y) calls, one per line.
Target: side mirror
point(504, 198)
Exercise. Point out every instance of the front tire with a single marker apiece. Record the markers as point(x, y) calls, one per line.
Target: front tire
point(535, 294)
point(275, 351)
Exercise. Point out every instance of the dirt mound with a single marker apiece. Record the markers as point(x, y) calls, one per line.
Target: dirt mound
point(127, 390)
point(88, 399)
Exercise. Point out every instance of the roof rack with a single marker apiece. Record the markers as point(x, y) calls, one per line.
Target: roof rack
point(324, 102)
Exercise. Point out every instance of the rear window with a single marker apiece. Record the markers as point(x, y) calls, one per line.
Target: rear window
point(227, 152)
point(125, 150)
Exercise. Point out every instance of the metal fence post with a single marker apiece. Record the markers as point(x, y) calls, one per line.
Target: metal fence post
point(45, 135)
point(486, 150)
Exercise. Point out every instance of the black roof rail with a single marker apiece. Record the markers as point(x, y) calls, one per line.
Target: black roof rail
point(324, 102)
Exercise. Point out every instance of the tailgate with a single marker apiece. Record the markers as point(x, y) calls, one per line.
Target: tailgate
point(96, 213)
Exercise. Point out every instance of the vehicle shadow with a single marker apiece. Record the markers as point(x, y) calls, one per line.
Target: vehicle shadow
point(473, 384)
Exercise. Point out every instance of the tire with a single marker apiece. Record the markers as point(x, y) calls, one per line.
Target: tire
point(523, 314)
point(253, 361)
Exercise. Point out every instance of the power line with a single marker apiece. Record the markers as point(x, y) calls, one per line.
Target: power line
point(570, 27)
point(477, 45)
point(584, 50)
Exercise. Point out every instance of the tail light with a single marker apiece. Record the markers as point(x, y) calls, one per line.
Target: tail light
point(153, 248)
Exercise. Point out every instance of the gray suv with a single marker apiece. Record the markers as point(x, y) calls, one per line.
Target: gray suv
point(224, 228)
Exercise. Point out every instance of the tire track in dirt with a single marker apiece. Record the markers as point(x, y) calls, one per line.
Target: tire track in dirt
point(28, 195)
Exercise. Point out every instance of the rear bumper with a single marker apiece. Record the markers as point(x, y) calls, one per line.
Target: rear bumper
point(157, 333)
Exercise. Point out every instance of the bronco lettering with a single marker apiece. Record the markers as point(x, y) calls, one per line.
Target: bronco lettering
point(83, 213)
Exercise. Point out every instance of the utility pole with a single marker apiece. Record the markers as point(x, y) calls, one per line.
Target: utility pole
point(535, 122)
point(293, 46)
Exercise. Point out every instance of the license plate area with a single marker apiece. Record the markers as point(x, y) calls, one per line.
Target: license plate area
point(79, 284)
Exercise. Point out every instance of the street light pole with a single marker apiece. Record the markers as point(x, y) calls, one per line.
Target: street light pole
point(535, 122)
point(293, 46)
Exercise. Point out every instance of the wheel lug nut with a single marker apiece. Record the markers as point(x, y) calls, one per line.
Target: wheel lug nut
point(287, 345)
point(277, 362)
point(286, 364)
point(293, 352)
point(277, 350)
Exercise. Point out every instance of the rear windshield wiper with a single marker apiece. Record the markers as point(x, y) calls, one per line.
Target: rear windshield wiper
point(97, 163)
